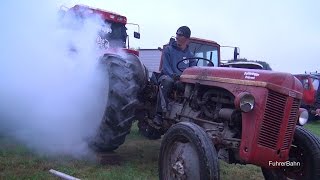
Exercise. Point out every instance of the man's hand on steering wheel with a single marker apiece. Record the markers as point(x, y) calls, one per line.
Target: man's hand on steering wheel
point(210, 63)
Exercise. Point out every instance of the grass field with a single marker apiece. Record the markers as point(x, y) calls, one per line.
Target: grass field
point(136, 159)
point(314, 127)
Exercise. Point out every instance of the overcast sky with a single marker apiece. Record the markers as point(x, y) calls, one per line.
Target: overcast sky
point(285, 33)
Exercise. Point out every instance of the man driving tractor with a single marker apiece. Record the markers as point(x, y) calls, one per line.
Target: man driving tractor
point(172, 54)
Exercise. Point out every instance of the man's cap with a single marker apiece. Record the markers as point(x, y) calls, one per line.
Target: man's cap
point(184, 31)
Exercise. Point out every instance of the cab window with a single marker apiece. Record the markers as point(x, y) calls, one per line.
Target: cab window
point(205, 51)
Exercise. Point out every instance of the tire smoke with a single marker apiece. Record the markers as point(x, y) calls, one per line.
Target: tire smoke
point(51, 98)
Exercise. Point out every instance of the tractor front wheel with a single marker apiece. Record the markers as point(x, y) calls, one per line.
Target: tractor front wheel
point(188, 153)
point(305, 151)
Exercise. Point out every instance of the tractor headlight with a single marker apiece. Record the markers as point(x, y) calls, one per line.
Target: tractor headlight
point(246, 103)
point(303, 116)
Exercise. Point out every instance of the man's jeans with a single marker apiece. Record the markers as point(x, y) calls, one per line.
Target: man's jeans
point(165, 88)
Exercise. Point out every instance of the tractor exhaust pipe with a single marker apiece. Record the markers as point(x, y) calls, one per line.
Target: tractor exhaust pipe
point(62, 175)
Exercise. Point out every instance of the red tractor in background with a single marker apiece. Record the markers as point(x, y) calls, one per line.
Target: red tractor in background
point(126, 75)
point(238, 115)
point(311, 96)
point(116, 38)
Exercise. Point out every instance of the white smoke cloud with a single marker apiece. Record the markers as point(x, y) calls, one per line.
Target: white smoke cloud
point(51, 99)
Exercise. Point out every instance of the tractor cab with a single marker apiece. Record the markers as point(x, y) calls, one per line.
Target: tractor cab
point(113, 33)
point(206, 49)
point(206, 52)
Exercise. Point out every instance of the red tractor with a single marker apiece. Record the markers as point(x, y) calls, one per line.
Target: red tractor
point(311, 97)
point(238, 115)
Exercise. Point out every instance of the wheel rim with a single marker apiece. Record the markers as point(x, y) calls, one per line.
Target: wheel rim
point(182, 161)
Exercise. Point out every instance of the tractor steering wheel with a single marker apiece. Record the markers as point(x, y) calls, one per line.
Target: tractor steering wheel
point(210, 63)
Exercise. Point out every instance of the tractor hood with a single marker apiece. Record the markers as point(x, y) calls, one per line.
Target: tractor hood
point(284, 83)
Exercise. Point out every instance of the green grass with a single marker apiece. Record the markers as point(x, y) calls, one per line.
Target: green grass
point(136, 159)
point(314, 127)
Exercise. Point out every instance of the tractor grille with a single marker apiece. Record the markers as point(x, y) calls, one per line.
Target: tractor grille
point(272, 119)
point(291, 124)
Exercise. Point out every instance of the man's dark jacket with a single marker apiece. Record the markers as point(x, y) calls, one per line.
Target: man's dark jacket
point(172, 54)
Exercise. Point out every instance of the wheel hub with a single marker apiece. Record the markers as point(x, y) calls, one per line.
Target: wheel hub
point(178, 168)
point(184, 163)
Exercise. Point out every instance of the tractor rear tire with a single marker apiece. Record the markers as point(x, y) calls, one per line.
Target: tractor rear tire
point(124, 86)
point(305, 149)
point(187, 152)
